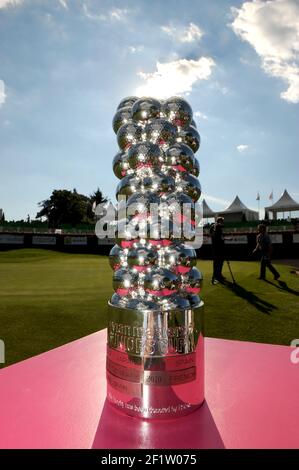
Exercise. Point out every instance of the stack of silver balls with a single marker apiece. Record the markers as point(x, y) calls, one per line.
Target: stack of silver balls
point(156, 165)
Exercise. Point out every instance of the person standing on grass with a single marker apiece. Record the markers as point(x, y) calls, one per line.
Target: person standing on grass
point(263, 244)
point(218, 250)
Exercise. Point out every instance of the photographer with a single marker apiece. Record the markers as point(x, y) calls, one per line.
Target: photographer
point(218, 250)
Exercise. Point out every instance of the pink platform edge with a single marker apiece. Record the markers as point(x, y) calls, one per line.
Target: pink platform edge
point(57, 400)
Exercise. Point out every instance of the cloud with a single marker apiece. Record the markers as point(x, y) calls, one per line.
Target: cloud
point(175, 77)
point(242, 148)
point(217, 200)
point(2, 92)
point(7, 3)
point(272, 29)
point(119, 14)
point(200, 115)
point(115, 14)
point(93, 16)
point(190, 33)
point(64, 4)
point(135, 49)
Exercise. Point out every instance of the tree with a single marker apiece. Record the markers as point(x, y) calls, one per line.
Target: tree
point(64, 207)
point(69, 207)
point(2, 217)
point(95, 198)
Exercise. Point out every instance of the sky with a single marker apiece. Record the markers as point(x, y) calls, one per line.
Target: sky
point(66, 64)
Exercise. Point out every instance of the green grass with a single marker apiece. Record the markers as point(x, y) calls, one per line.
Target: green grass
point(48, 299)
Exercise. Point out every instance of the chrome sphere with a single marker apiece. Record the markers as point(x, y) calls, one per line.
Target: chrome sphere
point(141, 203)
point(182, 210)
point(174, 302)
point(156, 183)
point(180, 156)
point(121, 117)
point(128, 135)
point(125, 281)
point(191, 282)
point(143, 229)
point(145, 109)
point(190, 137)
point(194, 300)
point(117, 258)
point(170, 230)
point(196, 168)
point(143, 184)
point(190, 186)
point(119, 300)
point(128, 101)
point(124, 233)
point(160, 281)
point(186, 258)
point(177, 111)
point(145, 154)
point(126, 186)
point(141, 257)
point(169, 258)
point(163, 184)
point(120, 165)
point(160, 132)
point(177, 201)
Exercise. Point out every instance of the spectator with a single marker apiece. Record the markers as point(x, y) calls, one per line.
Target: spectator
point(263, 244)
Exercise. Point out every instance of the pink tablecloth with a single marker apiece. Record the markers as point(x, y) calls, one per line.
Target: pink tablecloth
point(57, 400)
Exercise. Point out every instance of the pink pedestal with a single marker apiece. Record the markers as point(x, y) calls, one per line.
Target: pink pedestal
point(57, 400)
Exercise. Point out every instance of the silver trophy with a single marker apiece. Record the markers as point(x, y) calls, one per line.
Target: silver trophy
point(155, 346)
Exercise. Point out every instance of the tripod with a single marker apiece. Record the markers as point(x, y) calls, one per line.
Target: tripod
point(230, 270)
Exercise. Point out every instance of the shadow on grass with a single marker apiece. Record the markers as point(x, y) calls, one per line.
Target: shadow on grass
point(282, 285)
point(250, 297)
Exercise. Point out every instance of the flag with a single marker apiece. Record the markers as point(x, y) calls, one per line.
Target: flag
point(258, 197)
point(271, 195)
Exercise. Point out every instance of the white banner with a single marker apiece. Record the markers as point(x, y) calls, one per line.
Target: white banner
point(236, 239)
point(43, 240)
point(11, 239)
point(276, 237)
point(295, 237)
point(75, 240)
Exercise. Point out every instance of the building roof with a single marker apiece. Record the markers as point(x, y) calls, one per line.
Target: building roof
point(284, 203)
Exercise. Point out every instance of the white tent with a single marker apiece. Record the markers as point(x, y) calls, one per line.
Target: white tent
point(284, 204)
point(207, 212)
point(238, 212)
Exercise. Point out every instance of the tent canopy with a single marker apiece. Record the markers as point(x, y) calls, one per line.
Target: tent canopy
point(284, 204)
point(207, 211)
point(237, 212)
point(237, 206)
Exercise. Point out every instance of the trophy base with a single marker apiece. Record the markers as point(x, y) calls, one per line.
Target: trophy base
point(155, 362)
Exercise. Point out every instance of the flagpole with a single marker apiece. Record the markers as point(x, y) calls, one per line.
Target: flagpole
point(258, 198)
point(271, 197)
